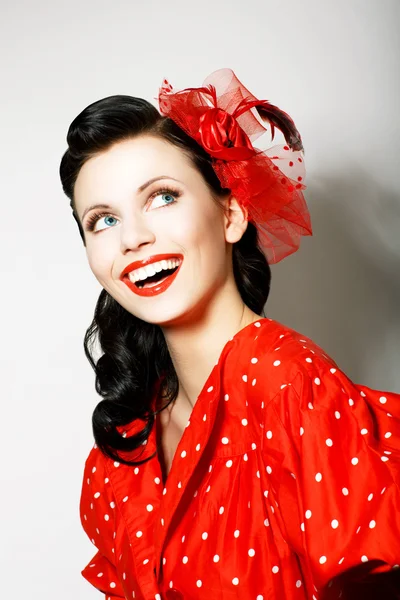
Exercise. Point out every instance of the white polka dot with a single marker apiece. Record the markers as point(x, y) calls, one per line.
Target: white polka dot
point(351, 402)
point(382, 400)
point(258, 474)
point(156, 597)
point(251, 552)
point(354, 461)
point(164, 561)
point(318, 477)
point(236, 533)
point(254, 382)
point(225, 440)
point(244, 422)
point(125, 499)
point(275, 569)
point(259, 597)
point(185, 560)
point(269, 470)
point(116, 464)
point(94, 470)
point(310, 405)
point(205, 417)
point(183, 453)
point(298, 583)
point(97, 495)
point(337, 414)
point(245, 457)
point(226, 397)
point(235, 581)
point(317, 381)
point(229, 463)
point(199, 583)
point(388, 434)
point(204, 535)
point(277, 363)
point(149, 507)
point(364, 431)
point(164, 491)
point(309, 360)
point(341, 560)
point(99, 574)
point(112, 584)
point(308, 514)
point(334, 524)
point(106, 518)
point(157, 480)
point(136, 470)
point(210, 389)
point(364, 558)
point(329, 442)
point(322, 560)
point(139, 534)
point(112, 504)
point(253, 446)
point(198, 447)
point(345, 491)
point(162, 521)
point(216, 558)
point(370, 497)
point(106, 480)
point(372, 524)
point(302, 527)
point(244, 377)
point(301, 431)
point(221, 510)
point(254, 360)
point(179, 484)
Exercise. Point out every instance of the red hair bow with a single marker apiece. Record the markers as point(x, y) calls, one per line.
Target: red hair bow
point(268, 183)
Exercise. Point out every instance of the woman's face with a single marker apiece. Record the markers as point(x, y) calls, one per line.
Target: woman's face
point(175, 215)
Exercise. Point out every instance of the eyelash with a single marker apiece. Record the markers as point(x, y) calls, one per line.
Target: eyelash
point(91, 222)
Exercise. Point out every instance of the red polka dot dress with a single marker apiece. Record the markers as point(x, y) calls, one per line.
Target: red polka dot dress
point(286, 475)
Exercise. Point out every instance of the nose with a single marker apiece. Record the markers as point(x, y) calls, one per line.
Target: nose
point(135, 234)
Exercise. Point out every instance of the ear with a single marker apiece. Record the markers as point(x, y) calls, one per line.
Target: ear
point(235, 220)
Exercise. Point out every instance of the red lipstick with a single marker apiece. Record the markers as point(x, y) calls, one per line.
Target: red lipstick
point(156, 289)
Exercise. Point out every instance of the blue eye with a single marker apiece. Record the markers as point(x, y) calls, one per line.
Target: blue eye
point(166, 192)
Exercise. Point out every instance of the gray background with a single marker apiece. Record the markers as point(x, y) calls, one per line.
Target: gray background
point(333, 66)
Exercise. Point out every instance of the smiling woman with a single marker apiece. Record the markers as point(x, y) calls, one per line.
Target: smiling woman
point(232, 458)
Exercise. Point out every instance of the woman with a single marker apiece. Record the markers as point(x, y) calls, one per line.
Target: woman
point(233, 457)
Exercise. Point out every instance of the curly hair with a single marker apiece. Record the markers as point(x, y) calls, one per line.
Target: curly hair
point(135, 367)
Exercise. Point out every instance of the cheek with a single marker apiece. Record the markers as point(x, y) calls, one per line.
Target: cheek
point(99, 262)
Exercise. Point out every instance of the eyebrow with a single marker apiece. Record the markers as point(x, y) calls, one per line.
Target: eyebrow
point(138, 191)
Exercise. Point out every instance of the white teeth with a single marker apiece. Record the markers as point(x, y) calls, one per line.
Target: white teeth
point(149, 270)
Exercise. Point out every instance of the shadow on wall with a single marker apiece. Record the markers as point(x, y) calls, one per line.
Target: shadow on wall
point(342, 288)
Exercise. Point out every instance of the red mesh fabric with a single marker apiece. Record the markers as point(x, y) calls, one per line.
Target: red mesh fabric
point(268, 183)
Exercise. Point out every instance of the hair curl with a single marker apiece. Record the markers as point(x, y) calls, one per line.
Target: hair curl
point(135, 354)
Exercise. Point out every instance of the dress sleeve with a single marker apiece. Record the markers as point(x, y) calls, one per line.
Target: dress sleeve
point(339, 482)
point(97, 512)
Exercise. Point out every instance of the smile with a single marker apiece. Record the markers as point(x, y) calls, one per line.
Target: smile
point(153, 279)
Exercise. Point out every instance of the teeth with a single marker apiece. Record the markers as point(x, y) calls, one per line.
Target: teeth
point(150, 270)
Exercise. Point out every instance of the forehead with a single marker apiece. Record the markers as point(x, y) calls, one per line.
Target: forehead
point(128, 164)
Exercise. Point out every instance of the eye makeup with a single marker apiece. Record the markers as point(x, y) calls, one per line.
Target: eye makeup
point(94, 217)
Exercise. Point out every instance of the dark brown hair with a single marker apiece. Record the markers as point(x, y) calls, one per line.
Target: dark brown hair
point(135, 355)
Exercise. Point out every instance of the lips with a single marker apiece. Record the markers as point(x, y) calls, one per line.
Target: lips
point(148, 261)
point(155, 290)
